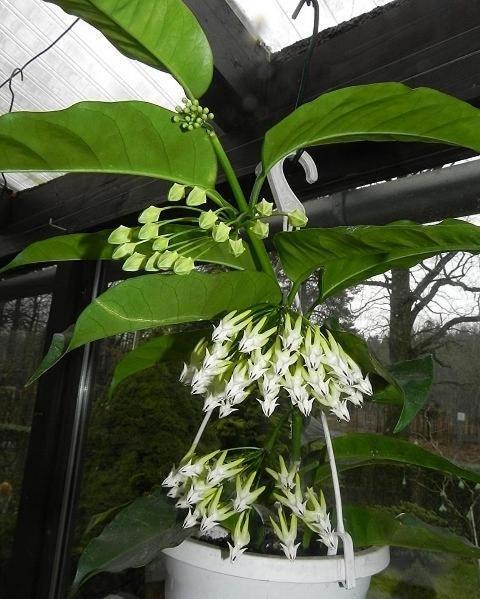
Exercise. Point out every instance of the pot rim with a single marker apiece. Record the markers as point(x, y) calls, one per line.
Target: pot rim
point(308, 569)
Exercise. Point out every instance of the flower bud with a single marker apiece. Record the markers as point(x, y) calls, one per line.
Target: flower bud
point(197, 197)
point(297, 218)
point(167, 259)
point(259, 229)
point(151, 265)
point(160, 244)
point(176, 193)
point(221, 232)
point(264, 208)
point(236, 247)
point(134, 262)
point(121, 234)
point(149, 215)
point(183, 265)
point(124, 250)
point(148, 231)
point(207, 220)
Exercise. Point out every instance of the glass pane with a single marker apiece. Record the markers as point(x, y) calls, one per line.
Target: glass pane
point(133, 439)
point(431, 309)
point(23, 323)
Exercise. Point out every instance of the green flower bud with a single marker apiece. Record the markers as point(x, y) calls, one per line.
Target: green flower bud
point(207, 219)
point(124, 250)
point(183, 265)
point(160, 244)
point(120, 235)
point(176, 193)
point(236, 247)
point(197, 197)
point(264, 208)
point(135, 262)
point(297, 218)
point(259, 229)
point(167, 259)
point(221, 232)
point(151, 265)
point(148, 231)
point(149, 215)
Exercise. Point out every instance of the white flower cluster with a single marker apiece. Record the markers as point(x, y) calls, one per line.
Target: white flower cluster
point(261, 352)
point(214, 490)
point(201, 486)
point(307, 506)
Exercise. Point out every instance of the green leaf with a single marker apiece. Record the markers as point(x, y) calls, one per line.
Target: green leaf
point(377, 526)
point(355, 450)
point(415, 379)
point(134, 538)
point(94, 246)
point(134, 138)
point(175, 346)
point(79, 246)
point(376, 112)
point(349, 255)
point(150, 301)
point(161, 33)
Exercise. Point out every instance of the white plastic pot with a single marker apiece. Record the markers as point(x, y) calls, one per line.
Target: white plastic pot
point(196, 570)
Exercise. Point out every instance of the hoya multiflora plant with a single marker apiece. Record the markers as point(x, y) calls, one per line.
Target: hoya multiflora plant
point(270, 355)
point(261, 349)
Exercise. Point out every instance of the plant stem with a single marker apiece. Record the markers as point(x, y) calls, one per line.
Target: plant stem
point(292, 293)
point(257, 245)
point(218, 199)
point(296, 440)
point(256, 189)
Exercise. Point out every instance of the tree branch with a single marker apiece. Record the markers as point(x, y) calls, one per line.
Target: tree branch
point(423, 345)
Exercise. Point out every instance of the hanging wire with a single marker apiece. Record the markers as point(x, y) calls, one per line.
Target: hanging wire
point(308, 56)
point(19, 71)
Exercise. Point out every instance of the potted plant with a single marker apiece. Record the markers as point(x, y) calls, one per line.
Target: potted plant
point(250, 511)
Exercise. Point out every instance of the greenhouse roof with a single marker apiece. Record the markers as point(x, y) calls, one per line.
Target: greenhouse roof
point(83, 65)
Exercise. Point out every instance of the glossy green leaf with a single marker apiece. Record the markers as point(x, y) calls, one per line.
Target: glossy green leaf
point(175, 346)
point(94, 246)
point(134, 538)
point(156, 300)
point(376, 112)
point(415, 379)
point(377, 526)
point(355, 450)
point(134, 138)
point(78, 246)
point(349, 255)
point(161, 33)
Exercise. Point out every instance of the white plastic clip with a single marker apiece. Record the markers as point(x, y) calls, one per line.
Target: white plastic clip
point(283, 195)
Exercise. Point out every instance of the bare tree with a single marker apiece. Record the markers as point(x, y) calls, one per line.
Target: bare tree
point(417, 308)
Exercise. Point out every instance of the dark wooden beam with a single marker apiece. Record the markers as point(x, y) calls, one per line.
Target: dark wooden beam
point(242, 66)
point(433, 42)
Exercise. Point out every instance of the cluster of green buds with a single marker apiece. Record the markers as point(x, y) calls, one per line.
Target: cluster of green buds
point(218, 495)
point(174, 244)
point(192, 116)
point(268, 353)
point(264, 210)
